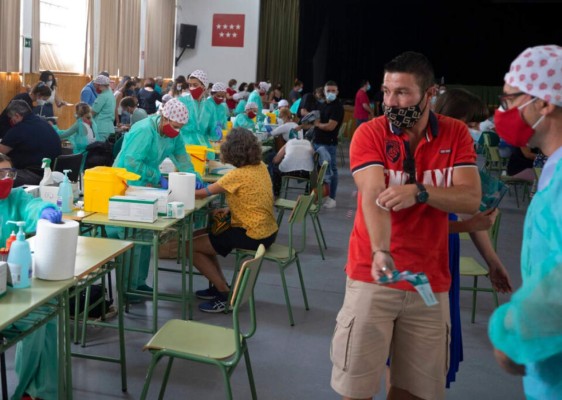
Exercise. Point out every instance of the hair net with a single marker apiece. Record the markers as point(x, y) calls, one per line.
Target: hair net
point(102, 80)
point(167, 97)
point(250, 106)
point(175, 111)
point(202, 76)
point(264, 86)
point(218, 87)
point(538, 72)
point(283, 103)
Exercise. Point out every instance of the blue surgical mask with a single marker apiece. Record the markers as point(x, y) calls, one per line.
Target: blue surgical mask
point(368, 87)
point(330, 96)
point(300, 90)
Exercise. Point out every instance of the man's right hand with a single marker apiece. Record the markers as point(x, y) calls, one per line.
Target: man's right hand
point(382, 265)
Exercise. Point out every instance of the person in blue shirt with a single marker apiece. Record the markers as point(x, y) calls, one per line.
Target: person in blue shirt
point(89, 92)
point(36, 356)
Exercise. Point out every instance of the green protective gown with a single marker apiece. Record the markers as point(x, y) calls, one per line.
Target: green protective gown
point(196, 130)
point(528, 329)
point(240, 107)
point(243, 121)
point(256, 98)
point(142, 152)
point(104, 109)
point(36, 356)
point(77, 135)
point(218, 116)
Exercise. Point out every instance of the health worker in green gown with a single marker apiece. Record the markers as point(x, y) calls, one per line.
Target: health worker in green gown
point(216, 111)
point(255, 97)
point(242, 98)
point(196, 130)
point(145, 146)
point(82, 132)
point(246, 119)
point(103, 108)
point(36, 356)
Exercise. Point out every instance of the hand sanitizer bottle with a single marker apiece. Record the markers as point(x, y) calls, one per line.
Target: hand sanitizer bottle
point(19, 259)
point(65, 195)
point(47, 173)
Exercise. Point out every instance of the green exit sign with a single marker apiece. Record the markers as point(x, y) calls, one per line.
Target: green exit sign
point(26, 42)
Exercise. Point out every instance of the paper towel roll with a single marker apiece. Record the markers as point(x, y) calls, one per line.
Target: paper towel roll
point(55, 249)
point(182, 188)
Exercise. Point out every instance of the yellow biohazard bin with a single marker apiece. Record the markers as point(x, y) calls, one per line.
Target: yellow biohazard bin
point(101, 183)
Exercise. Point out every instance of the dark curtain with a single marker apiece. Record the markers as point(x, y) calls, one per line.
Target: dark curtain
point(278, 42)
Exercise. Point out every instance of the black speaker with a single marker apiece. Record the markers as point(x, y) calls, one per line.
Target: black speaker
point(187, 36)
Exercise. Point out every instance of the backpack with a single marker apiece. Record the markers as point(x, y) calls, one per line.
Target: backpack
point(96, 294)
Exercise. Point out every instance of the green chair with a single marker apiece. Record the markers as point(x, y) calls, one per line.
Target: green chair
point(314, 212)
point(469, 266)
point(210, 344)
point(299, 180)
point(341, 141)
point(493, 163)
point(283, 255)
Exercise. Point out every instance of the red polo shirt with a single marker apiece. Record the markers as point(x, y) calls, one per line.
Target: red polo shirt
point(419, 236)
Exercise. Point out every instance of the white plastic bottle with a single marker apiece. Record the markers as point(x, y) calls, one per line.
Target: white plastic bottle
point(47, 173)
point(65, 196)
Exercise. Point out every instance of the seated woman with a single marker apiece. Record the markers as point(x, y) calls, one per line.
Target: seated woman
point(82, 132)
point(246, 119)
point(249, 197)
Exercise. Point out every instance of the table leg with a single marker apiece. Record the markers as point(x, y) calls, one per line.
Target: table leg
point(190, 255)
point(119, 272)
point(155, 237)
point(65, 356)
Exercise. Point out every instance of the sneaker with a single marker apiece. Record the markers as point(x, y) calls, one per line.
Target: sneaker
point(217, 305)
point(207, 294)
point(329, 203)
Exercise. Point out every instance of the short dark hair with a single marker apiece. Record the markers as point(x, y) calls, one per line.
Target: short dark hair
point(461, 104)
point(231, 82)
point(242, 86)
point(149, 82)
point(41, 89)
point(241, 148)
point(18, 107)
point(128, 101)
point(44, 77)
point(251, 87)
point(416, 64)
point(331, 83)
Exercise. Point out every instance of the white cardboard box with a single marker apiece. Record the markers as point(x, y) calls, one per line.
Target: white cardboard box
point(133, 208)
point(162, 195)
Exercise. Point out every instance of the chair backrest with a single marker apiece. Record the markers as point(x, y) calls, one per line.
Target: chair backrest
point(243, 292)
point(495, 230)
point(342, 130)
point(319, 187)
point(69, 161)
point(298, 219)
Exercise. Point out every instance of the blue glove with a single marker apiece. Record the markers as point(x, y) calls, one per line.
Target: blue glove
point(268, 128)
point(52, 215)
point(218, 133)
point(199, 184)
point(163, 182)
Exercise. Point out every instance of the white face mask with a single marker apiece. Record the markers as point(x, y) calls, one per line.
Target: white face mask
point(178, 88)
point(49, 83)
point(41, 102)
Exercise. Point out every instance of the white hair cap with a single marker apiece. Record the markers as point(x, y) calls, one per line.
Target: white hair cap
point(264, 86)
point(283, 103)
point(102, 80)
point(538, 72)
point(218, 87)
point(175, 111)
point(202, 76)
point(250, 106)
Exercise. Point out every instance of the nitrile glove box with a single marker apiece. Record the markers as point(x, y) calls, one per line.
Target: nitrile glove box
point(161, 195)
point(133, 208)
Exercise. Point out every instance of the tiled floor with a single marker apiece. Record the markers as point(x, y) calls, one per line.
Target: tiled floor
point(293, 362)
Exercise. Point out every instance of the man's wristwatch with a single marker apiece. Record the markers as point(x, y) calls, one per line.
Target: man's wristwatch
point(422, 195)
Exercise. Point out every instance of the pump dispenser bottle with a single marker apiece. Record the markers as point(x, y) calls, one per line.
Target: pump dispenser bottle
point(65, 195)
point(19, 259)
point(47, 173)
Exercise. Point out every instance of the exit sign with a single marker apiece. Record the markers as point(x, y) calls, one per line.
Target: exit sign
point(27, 42)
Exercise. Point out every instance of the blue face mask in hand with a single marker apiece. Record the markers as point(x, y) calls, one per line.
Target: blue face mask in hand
point(51, 215)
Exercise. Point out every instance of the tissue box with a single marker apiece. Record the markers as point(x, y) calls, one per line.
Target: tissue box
point(3, 278)
point(133, 208)
point(161, 195)
point(176, 209)
point(49, 193)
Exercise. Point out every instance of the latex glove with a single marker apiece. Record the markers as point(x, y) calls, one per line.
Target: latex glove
point(218, 133)
point(199, 184)
point(163, 182)
point(268, 128)
point(52, 215)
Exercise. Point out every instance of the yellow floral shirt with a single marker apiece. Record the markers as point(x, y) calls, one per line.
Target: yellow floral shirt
point(249, 196)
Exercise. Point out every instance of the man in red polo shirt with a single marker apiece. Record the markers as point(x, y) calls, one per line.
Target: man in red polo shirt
point(362, 111)
point(412, 167)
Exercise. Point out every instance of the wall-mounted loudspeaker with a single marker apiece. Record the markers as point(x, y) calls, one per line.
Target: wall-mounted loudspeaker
point(187, 36)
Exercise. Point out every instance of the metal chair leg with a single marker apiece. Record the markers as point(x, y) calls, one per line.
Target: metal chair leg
point(474, 292)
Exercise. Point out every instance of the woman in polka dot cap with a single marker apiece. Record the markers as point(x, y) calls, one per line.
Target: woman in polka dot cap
point(526, 332)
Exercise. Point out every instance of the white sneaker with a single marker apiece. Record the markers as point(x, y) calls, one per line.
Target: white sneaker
point(329, 203)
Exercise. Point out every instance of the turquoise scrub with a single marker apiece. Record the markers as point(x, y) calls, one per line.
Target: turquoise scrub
point(143, 150)
point(36, 356)
point(240, 108)
point(104, 114)
point(212, 115)
point(256, 98)
point(77, 135)
point(194, 132)
point(528, 329)
point(243, 121)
